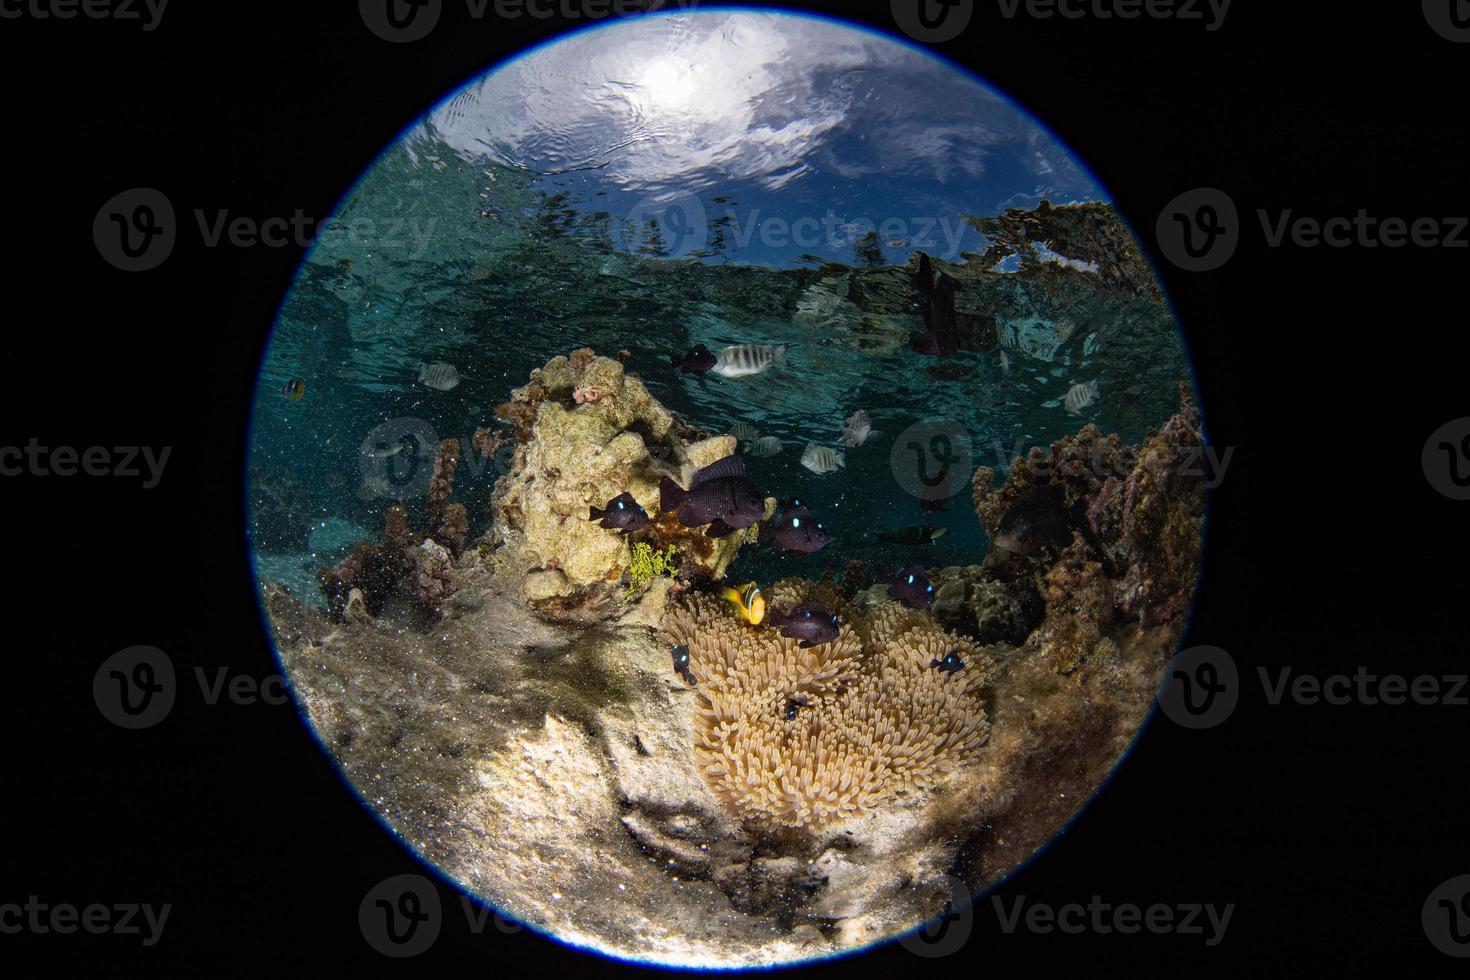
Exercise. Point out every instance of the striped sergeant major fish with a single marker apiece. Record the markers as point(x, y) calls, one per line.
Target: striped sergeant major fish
point(747, 359)
point(1081, 396)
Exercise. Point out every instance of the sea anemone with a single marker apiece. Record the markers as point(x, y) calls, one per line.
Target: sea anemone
point(792, 737)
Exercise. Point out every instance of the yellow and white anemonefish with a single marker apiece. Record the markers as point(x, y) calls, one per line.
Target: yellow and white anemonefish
point(294, 389)
point(748, 601)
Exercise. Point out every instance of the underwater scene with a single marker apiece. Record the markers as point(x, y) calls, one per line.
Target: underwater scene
point(723, 484)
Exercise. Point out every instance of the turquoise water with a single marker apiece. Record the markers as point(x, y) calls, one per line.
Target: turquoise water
point(519, 221)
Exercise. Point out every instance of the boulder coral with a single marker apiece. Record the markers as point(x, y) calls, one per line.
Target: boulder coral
point(572, 453)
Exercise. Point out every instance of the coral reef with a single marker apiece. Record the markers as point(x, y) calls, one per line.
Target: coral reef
point(1134, 557)
point(406, 565)
point(769, 802)
point(575, 452)
point(803, 738)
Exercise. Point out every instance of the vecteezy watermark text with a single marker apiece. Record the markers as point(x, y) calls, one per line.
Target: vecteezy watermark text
point(404, 21)
point(148, 12)
point(683, 226)
point(1201, 688)
point(137, 230)
point(401, 916)
point(1103, 918)
point(123, 919)
point(135, 688)
point(34, 459)
point(1200, 230)
point(1211, 12)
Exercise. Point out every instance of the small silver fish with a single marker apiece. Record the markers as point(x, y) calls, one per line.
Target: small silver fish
point(744, 431)
point(1005, 363)
point(765, 446)
point(747, 359)
point(1081, 396)
point(822, 459)
point(439, 376)
point(381, 451)
point(858, 429)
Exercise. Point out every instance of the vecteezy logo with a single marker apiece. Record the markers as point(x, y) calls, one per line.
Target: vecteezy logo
point(1446, 459)
point(135, 230)
point(400, 21)
point(933, 459)
point(1446, 917)
point(947, 931)
point(1198, 230)
point(396, 460)
point(400, 917)
point(134, 688)
point(1200, 687)
point(1450, 19)
point(932, 21)
point(668, 229)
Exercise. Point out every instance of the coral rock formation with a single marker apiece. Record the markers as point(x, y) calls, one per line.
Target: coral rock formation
point(406, 565)
point(572, 454)
point(1135, 556)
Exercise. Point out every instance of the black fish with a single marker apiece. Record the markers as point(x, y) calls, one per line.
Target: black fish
point(681, 663)
point(721, 495)
point(795, 528)
point(911, 534)
point(1039, 518)
point(791, 706)
point(941, 335)
point(910, 586)
point(950, 664)
point(809, 622)
point(622, 513)
point(697, 360)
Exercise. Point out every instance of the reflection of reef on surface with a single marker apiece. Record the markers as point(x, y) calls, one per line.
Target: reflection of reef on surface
point(516, 711)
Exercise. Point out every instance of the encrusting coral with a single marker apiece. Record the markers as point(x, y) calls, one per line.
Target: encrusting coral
point(804, 738)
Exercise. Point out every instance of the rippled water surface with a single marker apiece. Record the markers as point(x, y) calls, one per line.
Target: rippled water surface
point(665, 181)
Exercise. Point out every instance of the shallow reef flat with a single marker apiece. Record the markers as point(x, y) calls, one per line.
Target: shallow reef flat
point(511, 707)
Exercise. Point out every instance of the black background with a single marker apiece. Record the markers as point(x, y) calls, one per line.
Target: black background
point(1326, 369)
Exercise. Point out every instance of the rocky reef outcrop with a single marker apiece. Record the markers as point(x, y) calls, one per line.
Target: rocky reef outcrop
point(1131, 558)
point(408, 569)
point(586, 431)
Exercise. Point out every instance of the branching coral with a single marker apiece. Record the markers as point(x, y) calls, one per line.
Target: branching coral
point(794, 737)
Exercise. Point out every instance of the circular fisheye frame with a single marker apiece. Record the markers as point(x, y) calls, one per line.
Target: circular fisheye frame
point(670, 525)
